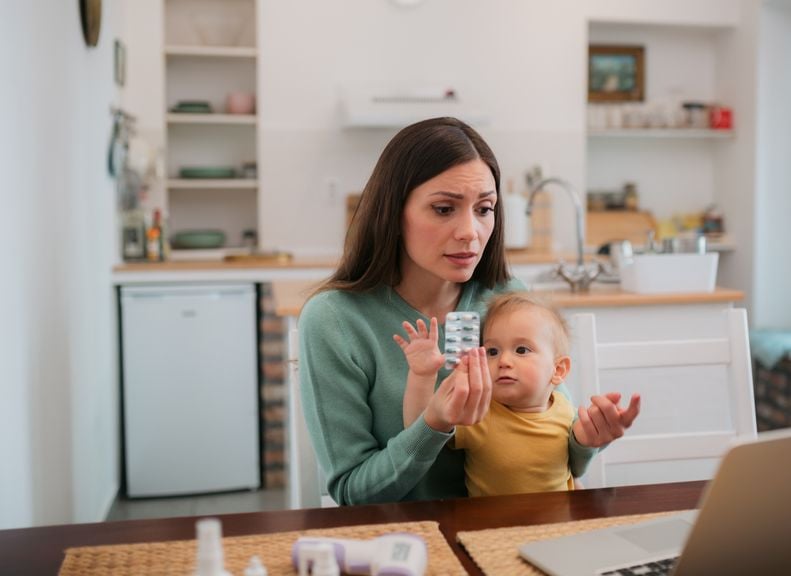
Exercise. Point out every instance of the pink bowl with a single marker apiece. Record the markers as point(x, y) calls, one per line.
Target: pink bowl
point(240, 103)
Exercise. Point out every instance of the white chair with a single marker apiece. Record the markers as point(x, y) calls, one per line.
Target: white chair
point(697, 395)
point(305, 481)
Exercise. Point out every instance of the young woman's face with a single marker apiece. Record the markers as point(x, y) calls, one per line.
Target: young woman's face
point(520, 349)
point(447, 222)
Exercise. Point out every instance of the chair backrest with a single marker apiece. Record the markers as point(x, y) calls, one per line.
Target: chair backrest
point(697, 395)
point(305, 481)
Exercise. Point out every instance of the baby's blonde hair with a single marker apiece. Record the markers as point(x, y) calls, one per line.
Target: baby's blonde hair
point(512, 301)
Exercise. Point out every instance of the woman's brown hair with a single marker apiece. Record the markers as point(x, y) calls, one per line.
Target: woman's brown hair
point(418, 153)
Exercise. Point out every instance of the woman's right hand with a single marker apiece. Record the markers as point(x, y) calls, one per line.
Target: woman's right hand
point(463, 397)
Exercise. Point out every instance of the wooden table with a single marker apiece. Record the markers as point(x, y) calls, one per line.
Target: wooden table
point(36, 551)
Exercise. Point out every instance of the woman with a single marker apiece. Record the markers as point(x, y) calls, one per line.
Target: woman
point(427, 239)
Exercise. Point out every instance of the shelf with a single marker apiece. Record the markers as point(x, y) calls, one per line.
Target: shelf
point(212, 254)
point(659, 133)
point(370, 114)
point(209, 183)
point(177, 118)
point(213, 51)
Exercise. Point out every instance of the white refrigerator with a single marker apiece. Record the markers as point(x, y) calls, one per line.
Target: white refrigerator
point(190, 388)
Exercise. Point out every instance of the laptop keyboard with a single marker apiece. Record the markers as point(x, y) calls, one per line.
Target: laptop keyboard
point(653, 568)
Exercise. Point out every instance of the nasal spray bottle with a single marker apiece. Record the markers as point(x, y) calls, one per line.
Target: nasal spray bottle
point(392, 554)
point(210, 560)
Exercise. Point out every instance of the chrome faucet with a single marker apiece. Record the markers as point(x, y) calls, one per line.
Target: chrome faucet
point(579, 277)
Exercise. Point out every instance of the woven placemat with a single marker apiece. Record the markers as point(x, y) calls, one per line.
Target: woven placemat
point(496, 552)
point(178, 557)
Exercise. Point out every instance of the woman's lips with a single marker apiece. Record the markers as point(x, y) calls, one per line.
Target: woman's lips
point(462, 258)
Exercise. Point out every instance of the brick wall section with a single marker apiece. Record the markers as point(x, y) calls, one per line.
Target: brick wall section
point(273, 377)
point(773, 395)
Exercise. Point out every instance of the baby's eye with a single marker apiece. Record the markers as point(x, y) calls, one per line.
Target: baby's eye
point(442, 210)
point(522, 350)
point(492, 351)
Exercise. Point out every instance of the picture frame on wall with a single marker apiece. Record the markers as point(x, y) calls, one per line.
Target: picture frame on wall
point(616, 73)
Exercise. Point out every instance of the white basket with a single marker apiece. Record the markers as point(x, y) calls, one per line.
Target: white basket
point(668, 273)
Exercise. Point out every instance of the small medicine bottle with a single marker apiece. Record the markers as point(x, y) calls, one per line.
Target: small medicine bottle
point(154, 246)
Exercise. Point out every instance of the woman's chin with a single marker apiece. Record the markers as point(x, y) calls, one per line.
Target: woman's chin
point(460, 275)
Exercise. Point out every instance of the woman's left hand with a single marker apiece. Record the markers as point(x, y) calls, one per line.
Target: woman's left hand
point(604, 421)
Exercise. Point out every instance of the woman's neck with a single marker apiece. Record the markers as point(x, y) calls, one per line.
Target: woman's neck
point(431, 298)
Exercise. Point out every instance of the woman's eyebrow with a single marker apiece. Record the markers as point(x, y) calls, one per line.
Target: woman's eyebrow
point(458, 196)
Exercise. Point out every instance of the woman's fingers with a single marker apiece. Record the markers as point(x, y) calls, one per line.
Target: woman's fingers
point(483, 400)
point(476, 387)
point(454, 391)
point(486, 398)
point(464, 396)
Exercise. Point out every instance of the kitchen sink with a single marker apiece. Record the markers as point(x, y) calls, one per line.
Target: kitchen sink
point(667, 273)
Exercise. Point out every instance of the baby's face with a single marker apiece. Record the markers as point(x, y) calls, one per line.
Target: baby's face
point(520, 349)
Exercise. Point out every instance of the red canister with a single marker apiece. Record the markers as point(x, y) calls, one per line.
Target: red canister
point(721, 117)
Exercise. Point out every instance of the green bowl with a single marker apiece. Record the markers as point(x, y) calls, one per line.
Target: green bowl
point(208, 172)
point(192, 106)
point(197, 239)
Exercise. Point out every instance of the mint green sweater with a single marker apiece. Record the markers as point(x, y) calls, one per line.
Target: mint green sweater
point(352, 380)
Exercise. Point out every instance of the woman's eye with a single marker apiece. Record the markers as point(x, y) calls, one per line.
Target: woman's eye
point(485, 210)
point(443, 210)
point(522, 350)
point(492, 352)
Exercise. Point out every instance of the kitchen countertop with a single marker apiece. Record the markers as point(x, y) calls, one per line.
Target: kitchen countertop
point(289, 296)
point(270, 269)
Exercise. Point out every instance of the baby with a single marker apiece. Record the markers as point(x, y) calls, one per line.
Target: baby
point(522, 443)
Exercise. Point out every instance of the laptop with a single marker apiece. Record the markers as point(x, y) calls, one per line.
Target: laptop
point(743, 526)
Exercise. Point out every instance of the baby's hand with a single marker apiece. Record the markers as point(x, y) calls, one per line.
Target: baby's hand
point(421, 350)
point(604, 420)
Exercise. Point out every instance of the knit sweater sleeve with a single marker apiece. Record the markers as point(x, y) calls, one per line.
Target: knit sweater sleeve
point(335, 384)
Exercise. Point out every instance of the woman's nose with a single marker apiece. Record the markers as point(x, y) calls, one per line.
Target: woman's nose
point(465, 230)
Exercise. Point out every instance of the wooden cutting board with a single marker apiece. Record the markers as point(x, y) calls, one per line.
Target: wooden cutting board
point(607, 226)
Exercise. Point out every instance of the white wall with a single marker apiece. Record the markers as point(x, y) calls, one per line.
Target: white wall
point(678, 12)
point(735, 177)
point(773, 201)
point(58, 442)
point(16, 495)
point(523, 63)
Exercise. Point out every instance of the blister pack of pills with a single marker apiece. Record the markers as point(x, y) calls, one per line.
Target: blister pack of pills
point(462, 332)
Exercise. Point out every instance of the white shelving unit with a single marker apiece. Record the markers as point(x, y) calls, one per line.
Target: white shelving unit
point(212, 184)
point(676, 169)
point(174, 118)
point(210, 50)
point(662, 133)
